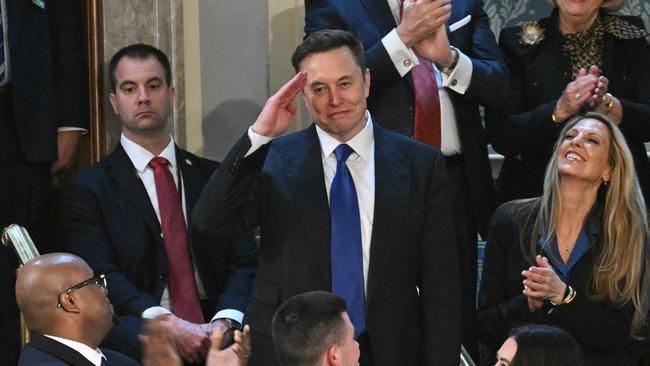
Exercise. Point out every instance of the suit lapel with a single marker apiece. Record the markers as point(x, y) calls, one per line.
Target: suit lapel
point(192, 181)
point(123, 173)
point(304, 169)
point(392, 182)
point(58, 350)
point(381, 15)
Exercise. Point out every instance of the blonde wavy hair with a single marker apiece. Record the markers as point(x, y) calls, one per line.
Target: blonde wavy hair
point(608, 5)
point(619, 269)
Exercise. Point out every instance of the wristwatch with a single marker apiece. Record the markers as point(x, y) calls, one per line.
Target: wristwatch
point(449, 68)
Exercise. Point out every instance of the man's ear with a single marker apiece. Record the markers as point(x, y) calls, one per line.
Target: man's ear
point(332, 356)
point(111, 98)
point(67, 302)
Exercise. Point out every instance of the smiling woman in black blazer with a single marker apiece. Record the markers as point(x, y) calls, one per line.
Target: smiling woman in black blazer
point(575, 256)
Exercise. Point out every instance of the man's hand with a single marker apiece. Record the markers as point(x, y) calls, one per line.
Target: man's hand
point(435, 47)
point(421, 18)
point(190, 339)
point(235, 355)
point(158, 349)
point(276, 116)
point(67, 146)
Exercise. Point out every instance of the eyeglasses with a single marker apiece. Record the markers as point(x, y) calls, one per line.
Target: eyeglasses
point(99, 281)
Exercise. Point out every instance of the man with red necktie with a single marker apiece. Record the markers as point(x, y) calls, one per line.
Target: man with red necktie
point(130, 216)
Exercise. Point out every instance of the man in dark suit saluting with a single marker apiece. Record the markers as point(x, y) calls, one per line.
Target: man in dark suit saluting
point(433, 62)
point(343, 206)
point(130, 216)
point(69, 332)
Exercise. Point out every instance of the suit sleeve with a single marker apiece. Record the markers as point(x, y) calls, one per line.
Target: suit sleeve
point(70, 62)
point(83, 230)
point(440, 274)
point(230, 202)
point(498, 309)
point(241, 264)
point(489, 84)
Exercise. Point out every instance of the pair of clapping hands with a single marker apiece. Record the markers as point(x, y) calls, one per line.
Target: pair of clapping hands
point(588, 89)
point(160, 350)
point(542, 283)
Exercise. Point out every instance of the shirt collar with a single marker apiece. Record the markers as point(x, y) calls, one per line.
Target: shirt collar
point(140, 157)
point(93, 355)
point(361, 143)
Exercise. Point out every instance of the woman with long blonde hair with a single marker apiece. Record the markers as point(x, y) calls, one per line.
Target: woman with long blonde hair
point(574, 257)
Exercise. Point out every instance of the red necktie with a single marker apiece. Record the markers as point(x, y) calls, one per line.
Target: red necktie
point(427, 102)
point(182, 285)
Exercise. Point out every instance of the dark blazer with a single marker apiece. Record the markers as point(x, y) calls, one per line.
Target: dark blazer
point(391, 98)
point(44, 351)
point(48, 79)
point(523, 130)
point(281, 188)
point(602, 330)
point(107, 219)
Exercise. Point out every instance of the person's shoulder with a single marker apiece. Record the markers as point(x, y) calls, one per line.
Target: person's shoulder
point(630, 19)
point(30, 355)
point(189, 158)
point(517, 211)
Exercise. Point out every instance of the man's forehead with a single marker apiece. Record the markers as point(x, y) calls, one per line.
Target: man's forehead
point(342, 54)
point(129, 66)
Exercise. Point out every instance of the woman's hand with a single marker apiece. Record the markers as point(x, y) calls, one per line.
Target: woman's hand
point(576, 94)
point(601, 88)
point(541, 282)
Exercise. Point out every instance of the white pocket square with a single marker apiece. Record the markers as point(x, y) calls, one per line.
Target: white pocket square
point(460, 23)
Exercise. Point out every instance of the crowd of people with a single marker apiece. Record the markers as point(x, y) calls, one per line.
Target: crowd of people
point(368, 219)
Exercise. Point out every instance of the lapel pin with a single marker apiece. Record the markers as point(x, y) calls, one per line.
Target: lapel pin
point(188, 161)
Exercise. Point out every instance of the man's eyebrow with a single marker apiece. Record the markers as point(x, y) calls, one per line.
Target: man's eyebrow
point(131, 82)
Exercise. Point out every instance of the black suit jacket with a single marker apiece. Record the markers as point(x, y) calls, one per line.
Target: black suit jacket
point(281, 188)
point(48, 73)
point(44, 351)
point(392, 100)
point(602, 330)
point(107, 219)
point(523, 130)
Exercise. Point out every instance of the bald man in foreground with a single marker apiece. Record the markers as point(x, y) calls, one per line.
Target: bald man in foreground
point(67, 312)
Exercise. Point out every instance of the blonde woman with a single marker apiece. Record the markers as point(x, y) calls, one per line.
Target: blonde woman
point(573, 257)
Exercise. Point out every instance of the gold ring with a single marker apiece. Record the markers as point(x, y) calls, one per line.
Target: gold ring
point(577, 96)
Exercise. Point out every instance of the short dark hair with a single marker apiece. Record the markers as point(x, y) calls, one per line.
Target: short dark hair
point(306, 325)
point(139, 51)
point(540, 345)
point(326, 40)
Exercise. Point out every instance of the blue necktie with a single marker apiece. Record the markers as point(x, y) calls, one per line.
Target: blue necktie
point(347, 257)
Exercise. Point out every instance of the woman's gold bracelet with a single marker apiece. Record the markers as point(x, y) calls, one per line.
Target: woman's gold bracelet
point(570, 294)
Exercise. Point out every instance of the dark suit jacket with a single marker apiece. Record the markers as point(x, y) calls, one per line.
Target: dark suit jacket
point(602, 330)
point(44, 351)
point(281, 188)
point(391, 98)
point(107, 219)
point(48, 71)
point(523, 130)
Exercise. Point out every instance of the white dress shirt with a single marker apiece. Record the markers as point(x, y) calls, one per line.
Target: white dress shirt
point(361, 164)
point(93, 355)
point(457, 80)
point(140, 157)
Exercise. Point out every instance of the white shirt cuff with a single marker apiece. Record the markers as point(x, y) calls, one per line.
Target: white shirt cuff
point(460, 77)
point(63, 129)
point(233, 314)
point(403, 58)
point(257, 141)
point(154, 312)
